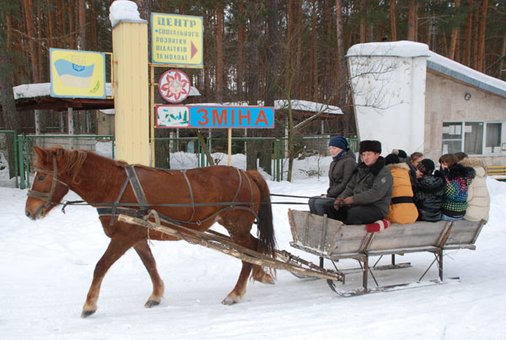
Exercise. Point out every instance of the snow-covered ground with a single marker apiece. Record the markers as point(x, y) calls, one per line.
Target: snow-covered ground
point(47, 265)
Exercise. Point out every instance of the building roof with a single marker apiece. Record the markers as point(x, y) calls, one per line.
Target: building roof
point(435, 62)
point(38, 96)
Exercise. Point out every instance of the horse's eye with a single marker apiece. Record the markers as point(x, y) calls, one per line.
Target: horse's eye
point(41, 177)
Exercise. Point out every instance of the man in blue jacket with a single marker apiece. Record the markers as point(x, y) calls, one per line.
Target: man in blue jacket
point(367, 196)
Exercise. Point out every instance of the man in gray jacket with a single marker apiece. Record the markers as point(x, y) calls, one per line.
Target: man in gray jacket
point(340, 172)
point(367, 196)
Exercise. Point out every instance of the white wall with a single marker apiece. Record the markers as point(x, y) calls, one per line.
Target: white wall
point(388, 85)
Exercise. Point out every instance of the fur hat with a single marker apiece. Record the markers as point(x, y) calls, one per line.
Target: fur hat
point(370, 145)
point(339, 142)
point(426, 166)
point(392, 159)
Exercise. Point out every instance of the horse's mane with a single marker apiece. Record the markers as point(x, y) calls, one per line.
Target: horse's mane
point(73, 161)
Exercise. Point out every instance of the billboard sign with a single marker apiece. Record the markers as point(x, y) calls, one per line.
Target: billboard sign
point(77, 74)
point(177, 40)
point(217, 117)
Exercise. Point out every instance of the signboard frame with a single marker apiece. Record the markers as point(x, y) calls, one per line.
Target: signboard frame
point(177, 37)
point(221, 117)
point(71, 70)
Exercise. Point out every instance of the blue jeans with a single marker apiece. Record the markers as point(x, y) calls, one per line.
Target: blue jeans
point(450, 218)
point(319, 205)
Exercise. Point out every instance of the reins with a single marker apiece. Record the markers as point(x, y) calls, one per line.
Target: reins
point(177, 205)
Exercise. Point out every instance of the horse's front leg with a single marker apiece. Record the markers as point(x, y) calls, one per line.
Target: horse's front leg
point(117, 247)
point(144, 252)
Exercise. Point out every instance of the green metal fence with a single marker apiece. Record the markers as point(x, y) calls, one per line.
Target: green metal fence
point(304, 144)
point(25, 143)
point(11, 147)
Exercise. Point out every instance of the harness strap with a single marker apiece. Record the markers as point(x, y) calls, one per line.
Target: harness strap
point(190, 190)
point(136, 186)
point(133, 180)
point(401, 199)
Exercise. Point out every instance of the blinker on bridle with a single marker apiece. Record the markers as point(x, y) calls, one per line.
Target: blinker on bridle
point(43, 196)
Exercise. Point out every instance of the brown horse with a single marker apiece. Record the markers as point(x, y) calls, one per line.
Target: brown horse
point(194, 199)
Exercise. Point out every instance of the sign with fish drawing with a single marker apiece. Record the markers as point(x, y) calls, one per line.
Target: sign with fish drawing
point(172, 116)
point(77, 74)
point(214, 116)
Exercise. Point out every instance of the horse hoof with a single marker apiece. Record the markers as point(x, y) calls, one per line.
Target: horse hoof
point(228, 301)
point(267, 279)
point(87, 313)
point(151, 303)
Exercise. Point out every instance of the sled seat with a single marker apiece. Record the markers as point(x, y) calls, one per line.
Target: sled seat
point(334, 240)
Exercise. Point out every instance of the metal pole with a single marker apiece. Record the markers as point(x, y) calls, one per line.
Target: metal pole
point(229, 162)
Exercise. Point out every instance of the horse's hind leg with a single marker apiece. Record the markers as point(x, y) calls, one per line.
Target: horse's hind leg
point(144, 252)
point(117, 247)
point(245, 239)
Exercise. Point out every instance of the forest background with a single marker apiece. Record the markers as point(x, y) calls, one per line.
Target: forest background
point(259, 50)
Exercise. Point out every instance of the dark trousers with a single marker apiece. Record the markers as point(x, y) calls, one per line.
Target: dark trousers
point(358, 214)
point(319, 205)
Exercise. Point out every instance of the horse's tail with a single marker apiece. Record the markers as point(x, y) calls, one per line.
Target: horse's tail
point(265, 233)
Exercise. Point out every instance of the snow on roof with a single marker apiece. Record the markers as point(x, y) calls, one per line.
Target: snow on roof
point(44, 89)
point(405, 49)
point(304, 105)
point(436, 62)
point(298, 105)
point(466, 74)
point(124, 10)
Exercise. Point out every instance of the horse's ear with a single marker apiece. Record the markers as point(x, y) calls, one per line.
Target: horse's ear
point(40, 155)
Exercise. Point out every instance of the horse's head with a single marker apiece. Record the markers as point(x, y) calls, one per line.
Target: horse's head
point(47, 190)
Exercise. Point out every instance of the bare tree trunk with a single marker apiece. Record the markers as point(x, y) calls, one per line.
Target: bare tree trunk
point(342, 69)
point(328, 86)
point(81, 39)
point(92, 39)
point(363, 21)
point(482, 31)
point(502, 64)
point(219, 14)
point(271, 7)
point(40, 51)
point(241, 60)
point(30, 30)
point(476, 37)
point(393, 21)
point(455, 33)
point(253, 13)
point(314, 52)
point(412, 20)
point(468, 36)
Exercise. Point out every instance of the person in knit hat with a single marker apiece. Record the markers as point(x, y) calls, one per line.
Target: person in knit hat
point(340, 171)
point(367, 196)
point(430, 191)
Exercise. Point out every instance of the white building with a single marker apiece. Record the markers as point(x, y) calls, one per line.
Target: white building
point(411, 98)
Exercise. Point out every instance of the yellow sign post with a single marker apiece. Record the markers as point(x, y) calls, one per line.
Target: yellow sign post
point(177, 40)
point(77, 74)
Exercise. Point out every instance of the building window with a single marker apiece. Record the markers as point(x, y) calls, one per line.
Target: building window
point(452, 137)
point(473, 138)
point(494, 136)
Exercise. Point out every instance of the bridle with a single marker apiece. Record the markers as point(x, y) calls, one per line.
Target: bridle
point(47, 197)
